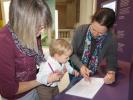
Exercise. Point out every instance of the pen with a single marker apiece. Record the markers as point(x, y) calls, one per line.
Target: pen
point(51, 67)
point(89, 75)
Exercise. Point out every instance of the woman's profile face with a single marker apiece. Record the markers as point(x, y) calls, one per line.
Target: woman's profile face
point(97, 29)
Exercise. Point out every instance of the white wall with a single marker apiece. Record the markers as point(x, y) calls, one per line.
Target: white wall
point(87, 8)
point(5, 10)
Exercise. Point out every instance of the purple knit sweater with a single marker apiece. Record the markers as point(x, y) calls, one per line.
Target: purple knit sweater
point(15, 66)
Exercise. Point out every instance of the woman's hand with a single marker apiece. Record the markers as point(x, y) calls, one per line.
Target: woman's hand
point(85, 72)
point(109, 77)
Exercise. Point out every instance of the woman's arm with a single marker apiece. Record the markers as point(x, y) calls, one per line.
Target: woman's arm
point(111, 55)
point(26, 86)
point(77, 41)
point(112, 65)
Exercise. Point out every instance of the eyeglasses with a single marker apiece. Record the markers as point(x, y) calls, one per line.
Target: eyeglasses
point(95, 32)
point(40, 31)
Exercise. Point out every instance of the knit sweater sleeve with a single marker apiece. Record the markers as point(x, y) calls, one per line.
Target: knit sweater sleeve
point(8, 83)
point(112, 54)
point(78, 37)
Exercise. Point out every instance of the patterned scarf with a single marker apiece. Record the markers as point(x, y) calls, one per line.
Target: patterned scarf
point(39, 57)
point(91, 60)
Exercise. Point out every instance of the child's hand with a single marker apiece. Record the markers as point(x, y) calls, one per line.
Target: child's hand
point(56, 76)
point(75, 73)
point(65, 69)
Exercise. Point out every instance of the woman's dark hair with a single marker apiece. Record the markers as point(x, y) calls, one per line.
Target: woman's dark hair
point(105, 17)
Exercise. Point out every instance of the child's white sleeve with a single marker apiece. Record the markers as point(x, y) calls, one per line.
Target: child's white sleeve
point(42, 75)
point(69, 67)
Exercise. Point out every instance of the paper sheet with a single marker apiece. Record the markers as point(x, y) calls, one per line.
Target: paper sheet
point(64, 82)
point(86, 89)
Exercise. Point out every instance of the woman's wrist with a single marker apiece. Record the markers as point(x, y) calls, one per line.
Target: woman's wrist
point(110, 72)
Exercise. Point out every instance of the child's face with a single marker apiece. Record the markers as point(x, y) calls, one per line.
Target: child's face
point(64, 57)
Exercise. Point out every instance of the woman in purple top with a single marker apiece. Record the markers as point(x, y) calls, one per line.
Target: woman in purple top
point(20, 48)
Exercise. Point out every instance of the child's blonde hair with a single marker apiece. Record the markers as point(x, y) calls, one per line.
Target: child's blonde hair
point(59, 46)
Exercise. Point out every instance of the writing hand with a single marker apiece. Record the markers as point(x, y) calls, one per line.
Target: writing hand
point(85, 72)
point(109, 77)
point(56, 76)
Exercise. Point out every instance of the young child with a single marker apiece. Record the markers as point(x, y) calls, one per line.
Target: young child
point(55, 67)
